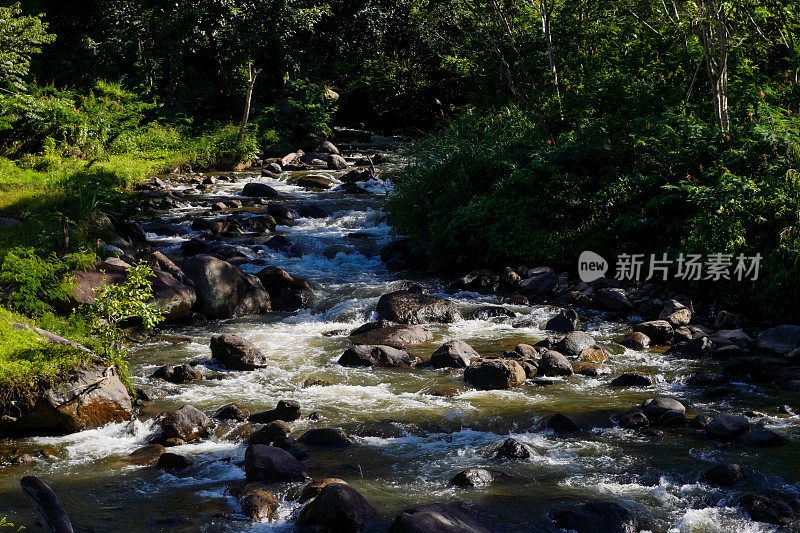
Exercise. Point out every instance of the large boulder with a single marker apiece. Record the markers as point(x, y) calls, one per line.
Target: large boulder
point(412, 308)
point(676, 314)
point(574, 343)
point(605, 517)
point(397, 336)
point(169, 294)
point(554, 363)
point(727, 427)
point(338, 508)
point(453, 354)
point(612, 299)
point(490, 374)
point(659, 331)
point(543, 283)
point(565, 321)
point(726, 474)
point(223, 290)
point(237, 353)
point(779, 340)
point(90, 398)
point(436, 518)
point(259, 190)
point(187, 423)
point(376, 356)
point(269, 464)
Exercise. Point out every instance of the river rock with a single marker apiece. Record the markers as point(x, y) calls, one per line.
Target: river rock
point(325, 437)
point(290, 445)
point(173, 462)
point(562, 424)
point(338, 508)
point(727, 427)
point(230, 412)
point(694, 349)
point(376, 356)
point(772, 507)
point(187, 423)
point(659, 331)
point(554, 363)
point(473, 477)
point(762, 438)
point(574, 343)
point(436, 518)
point(612, 299)
point(357, 175)
point(726, 475)
point(397, 336)
point(513, 449)
point(406, 307)
point(146, 455)
point(314, 487)
point(636, 341)
point(542, 284)
point(90, 398)
point(657, 407)
point(178, 374)
point(453, 354)
point(606, 517)
point(633, 419)
point(223, 290)
point(527, 351)
point(565, 321)
point(257, 502)
point(327, 147)
point(676, 314)
point(268, 433)
point(259, 190)
point(269, 464)
point(236, 353)
point(314, 181)
point(490, 374)
point(632, 379)
point(286, 410)
point(779, 340)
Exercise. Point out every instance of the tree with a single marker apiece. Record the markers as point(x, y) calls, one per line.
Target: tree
point(21, 37)
point(545, 10)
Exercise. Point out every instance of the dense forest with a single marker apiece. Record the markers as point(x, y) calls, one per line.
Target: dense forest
point(526, 132)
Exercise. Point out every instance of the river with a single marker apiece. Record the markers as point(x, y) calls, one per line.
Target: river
point(409, 443)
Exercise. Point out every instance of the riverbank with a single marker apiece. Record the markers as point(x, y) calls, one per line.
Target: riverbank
point(405, 419)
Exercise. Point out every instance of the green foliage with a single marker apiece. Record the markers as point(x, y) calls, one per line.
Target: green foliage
point(497, 190)
point(306, 111)
point(223, 144)
point(21, 37)
point(115, 304)
point(31, 284)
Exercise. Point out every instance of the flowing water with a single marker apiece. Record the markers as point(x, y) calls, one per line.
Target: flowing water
point(409, 443)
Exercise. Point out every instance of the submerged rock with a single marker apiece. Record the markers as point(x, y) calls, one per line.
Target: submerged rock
point(606, 517)
point(513, 449)
point(436, 518)
point(725, 475)
point(327, 437)
point(772, 507)
point(257, 502)
point(376, 356)
point(397, 336)
point(473, 477)
point(286, 410)
point(727, 427)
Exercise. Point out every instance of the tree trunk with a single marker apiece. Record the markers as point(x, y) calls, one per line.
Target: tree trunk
point(546, 12)
point(713, 34)
point(251, 81)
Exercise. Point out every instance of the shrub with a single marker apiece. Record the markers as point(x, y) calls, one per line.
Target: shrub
point(306, 110)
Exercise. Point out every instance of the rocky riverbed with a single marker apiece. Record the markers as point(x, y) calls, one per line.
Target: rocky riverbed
point(310, 376)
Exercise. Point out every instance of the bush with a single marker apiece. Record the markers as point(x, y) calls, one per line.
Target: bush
point(306, 111)
point(498, 190)
point(32, 284)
